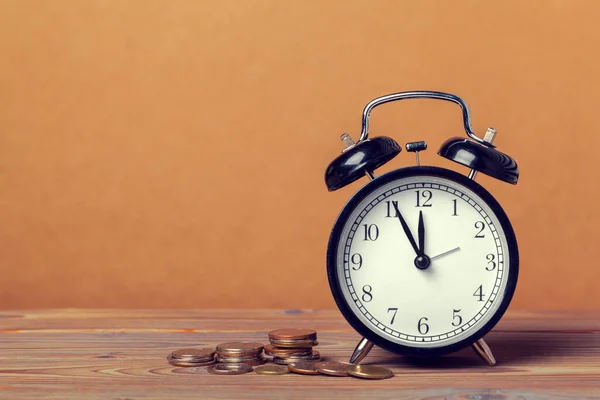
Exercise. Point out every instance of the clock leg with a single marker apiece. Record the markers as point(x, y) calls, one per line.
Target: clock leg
point(362, 349)
point(483, 350)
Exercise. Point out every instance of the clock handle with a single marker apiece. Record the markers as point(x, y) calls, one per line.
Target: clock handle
point(421, 94)
point(362, 349)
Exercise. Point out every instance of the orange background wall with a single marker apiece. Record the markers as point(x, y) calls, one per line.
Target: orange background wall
point(171, 153)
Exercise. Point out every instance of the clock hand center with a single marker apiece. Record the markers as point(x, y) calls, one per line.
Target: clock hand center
point(422, 262)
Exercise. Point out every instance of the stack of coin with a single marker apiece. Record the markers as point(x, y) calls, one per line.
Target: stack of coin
point(192, 357)
point(240, 353)
point(292, 345)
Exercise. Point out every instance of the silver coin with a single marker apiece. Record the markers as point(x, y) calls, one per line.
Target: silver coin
point(238, 358)
point(239, 348)
point(184, 363)
point(205, 353)
point(190, 360)
point(271, 350)
point(290, 360)
point(230, 369)
point(256, 361)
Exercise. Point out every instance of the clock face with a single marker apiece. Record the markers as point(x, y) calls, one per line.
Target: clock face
point(423, 260)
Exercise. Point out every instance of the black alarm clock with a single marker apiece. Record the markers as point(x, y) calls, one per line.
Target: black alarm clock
point(422, 261)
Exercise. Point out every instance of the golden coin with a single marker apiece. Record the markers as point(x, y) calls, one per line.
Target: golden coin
point(370, 372)
point(271, 370)
point(229, 369)
point(303, 367)
point(293, 334)
point(271, 350)
point(333, 368)
point(193, 353)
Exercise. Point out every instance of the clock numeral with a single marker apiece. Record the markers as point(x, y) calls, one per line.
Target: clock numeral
point(356, 259)
point(479, 293)
point(391, 210)
point(371, 232)
point(426, 195)
point(481, 226)
point(395, 310)
point(490, 257)
point(367, 296)
point(423, 327)
point(454, 213)
point(456, 319)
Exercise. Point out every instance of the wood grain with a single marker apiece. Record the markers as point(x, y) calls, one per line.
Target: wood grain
point(74, 354)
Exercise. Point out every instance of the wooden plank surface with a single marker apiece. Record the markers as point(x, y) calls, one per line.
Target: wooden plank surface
point(120, 354)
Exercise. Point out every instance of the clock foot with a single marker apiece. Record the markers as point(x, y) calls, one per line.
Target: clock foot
point(362, 349)
point(483, 350)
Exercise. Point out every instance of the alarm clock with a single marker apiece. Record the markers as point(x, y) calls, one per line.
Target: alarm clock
point(422, 261)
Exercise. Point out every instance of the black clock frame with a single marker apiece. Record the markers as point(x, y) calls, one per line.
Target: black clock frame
point(334, 238)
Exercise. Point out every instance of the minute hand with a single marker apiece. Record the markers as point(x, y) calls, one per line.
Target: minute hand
point(421, 233)
point(409, 235)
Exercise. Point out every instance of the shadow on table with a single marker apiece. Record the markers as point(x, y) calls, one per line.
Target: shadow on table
point(509, 349)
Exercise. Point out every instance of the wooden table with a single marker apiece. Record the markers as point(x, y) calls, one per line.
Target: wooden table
point(75, 354)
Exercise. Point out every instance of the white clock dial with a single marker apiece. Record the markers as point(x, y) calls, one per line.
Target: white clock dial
point(450, 299)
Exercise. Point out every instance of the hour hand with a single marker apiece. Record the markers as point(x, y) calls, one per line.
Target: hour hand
point(409, 235)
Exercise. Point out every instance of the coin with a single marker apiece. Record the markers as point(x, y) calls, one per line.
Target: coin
point(239, 353)
point(303, 367)
point(230, 360)
point(333, 368)
point(229, 369)
point(294, 343)
point(237, 359)
point(240, 347)
point(271, 370)
point(178, 363)
point(194, 353)
point(314, 356)
point(293, 334)
point(271, 350)
point(370, 372)
point(288, 360)
point(189, 359)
